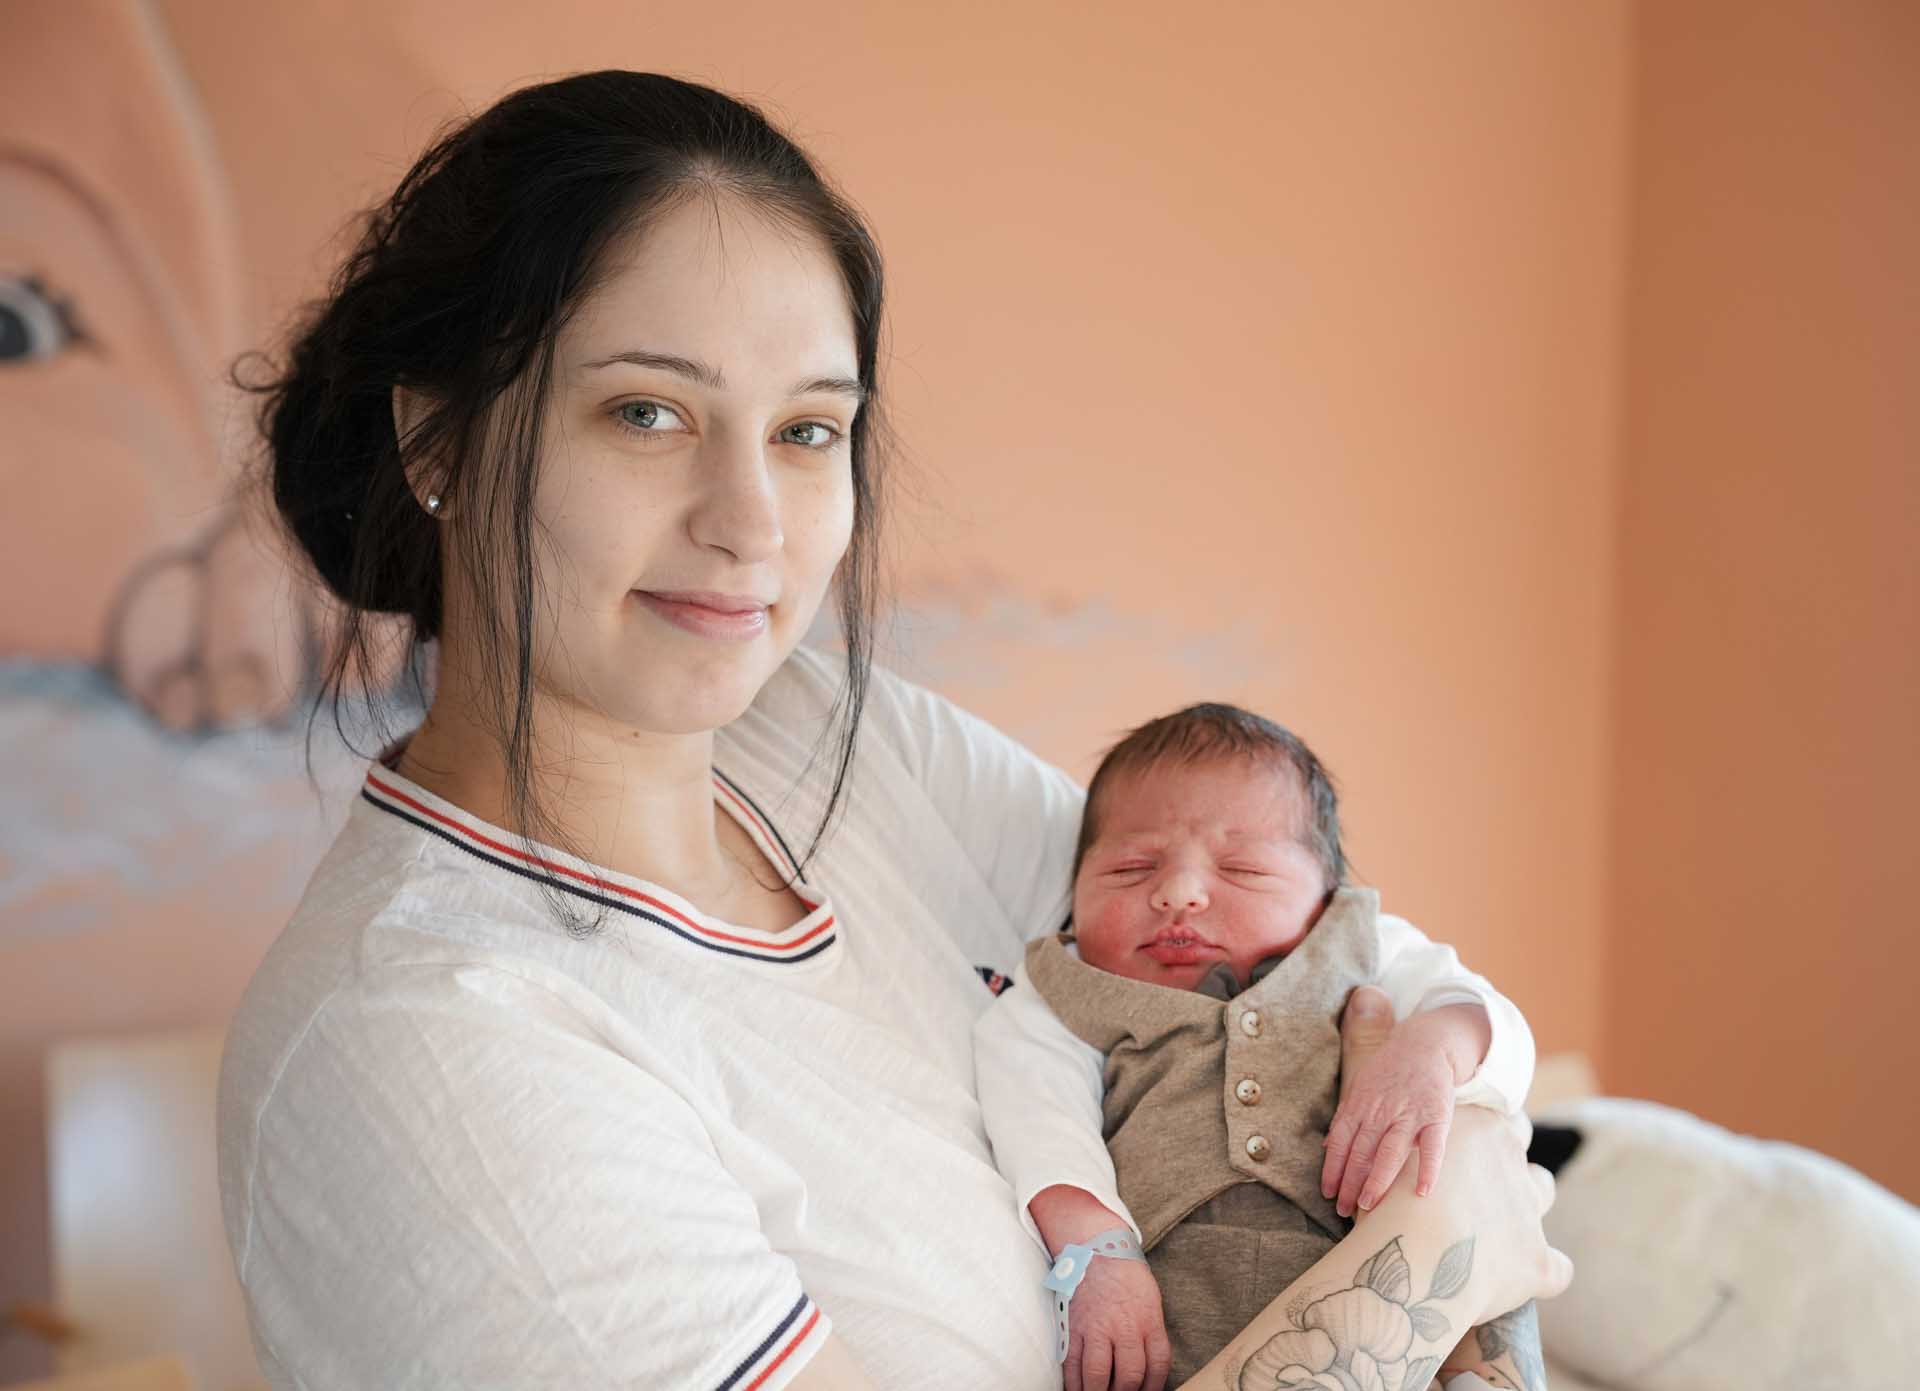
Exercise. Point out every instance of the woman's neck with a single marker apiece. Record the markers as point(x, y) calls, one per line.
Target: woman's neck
point(630, 800)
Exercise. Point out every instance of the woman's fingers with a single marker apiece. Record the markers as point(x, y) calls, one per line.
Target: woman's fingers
point(1129, 1366)
point(1544, 1184)
point(1558, 1275)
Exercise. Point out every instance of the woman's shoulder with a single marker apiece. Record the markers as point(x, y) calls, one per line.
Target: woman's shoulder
point(386, 904)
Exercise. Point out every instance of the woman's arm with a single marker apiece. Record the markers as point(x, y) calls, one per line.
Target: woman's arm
point(1415, 1273)
point(1013, 815)
point(1413, 1276)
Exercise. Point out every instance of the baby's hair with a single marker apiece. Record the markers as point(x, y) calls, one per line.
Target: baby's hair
point(1213, 732)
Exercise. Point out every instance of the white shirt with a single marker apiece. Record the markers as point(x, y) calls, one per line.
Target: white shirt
point(1041, 1085)
point(460, 1148)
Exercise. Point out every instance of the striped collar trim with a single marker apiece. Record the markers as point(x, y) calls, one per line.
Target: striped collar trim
point(624, 893)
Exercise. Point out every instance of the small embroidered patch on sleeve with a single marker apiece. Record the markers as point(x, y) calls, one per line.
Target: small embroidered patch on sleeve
point(996, 982)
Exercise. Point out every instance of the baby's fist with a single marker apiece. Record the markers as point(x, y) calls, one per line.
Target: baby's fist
point(1116, 1332)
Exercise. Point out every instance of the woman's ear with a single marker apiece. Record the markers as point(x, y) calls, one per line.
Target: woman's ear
point(410, 410)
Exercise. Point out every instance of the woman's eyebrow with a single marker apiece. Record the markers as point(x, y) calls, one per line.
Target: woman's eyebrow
point(839, 386)
point(667, 362)
point(712, 377)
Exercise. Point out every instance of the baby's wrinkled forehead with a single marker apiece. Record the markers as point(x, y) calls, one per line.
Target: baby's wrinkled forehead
point(1265, 798)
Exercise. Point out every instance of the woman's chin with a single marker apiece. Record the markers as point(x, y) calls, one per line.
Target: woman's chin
point(696, 700)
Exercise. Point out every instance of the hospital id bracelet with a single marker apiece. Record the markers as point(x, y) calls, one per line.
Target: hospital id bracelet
point(1070, 1268)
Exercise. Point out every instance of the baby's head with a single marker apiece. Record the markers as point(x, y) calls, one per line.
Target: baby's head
point(1210, 835)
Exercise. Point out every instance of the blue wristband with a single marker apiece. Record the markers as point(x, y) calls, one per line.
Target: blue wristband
point(1070, 1268)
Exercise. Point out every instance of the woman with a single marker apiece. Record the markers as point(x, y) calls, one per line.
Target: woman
point(590, 1057)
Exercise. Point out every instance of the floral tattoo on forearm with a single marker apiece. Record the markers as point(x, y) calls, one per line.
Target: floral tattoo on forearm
point(1511, 1343)
point(1362, 1338)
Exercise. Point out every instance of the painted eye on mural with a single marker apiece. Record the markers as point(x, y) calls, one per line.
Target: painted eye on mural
point(34, 325)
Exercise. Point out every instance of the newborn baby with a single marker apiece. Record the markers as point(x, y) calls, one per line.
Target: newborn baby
point(1169, 1064)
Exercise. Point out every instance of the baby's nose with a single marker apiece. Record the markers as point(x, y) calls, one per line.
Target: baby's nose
point(1182, 890)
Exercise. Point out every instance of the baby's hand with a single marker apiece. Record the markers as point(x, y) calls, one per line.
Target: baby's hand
point(1116, 1333)
point(1398, 1099)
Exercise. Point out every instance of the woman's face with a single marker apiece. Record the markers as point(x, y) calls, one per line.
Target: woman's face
point(695, 490)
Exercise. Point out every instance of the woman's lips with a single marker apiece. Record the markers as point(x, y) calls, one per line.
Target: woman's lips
point(727, 617)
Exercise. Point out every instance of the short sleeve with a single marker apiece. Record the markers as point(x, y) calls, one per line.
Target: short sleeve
point(1014, 815)
point(458, 1182)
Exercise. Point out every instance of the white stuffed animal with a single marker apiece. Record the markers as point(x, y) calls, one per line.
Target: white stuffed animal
point(1710, 1261)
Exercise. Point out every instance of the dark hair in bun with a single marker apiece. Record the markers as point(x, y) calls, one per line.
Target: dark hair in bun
point(456, 290)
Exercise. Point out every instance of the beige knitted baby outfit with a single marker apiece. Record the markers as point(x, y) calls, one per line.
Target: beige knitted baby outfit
point(1214, 1114)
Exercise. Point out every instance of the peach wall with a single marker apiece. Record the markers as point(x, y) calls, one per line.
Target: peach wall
point(1762, 952)
point(1266, 352)
point(1284, 336)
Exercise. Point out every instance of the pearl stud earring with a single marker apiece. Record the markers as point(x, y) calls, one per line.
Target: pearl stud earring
point(433, 502)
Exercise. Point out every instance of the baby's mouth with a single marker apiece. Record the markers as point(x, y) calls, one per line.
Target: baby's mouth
point(1178, 946)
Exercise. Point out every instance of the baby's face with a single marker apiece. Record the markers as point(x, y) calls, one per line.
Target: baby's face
point(1194, 865)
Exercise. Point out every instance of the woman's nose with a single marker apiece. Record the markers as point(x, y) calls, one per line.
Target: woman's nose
point(737, 508)
point(1180, 891)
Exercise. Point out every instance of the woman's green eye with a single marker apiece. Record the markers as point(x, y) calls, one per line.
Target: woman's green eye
point(648, 417)
point(814, 434)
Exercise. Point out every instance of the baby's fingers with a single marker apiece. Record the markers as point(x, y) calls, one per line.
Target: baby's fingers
point(1433, 1148)
point(1096, 1363)
point(1360, 1162)
point(1129, 1364)
point(1387, 1161)
point(1159, 1360)
point(1340, 1136)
